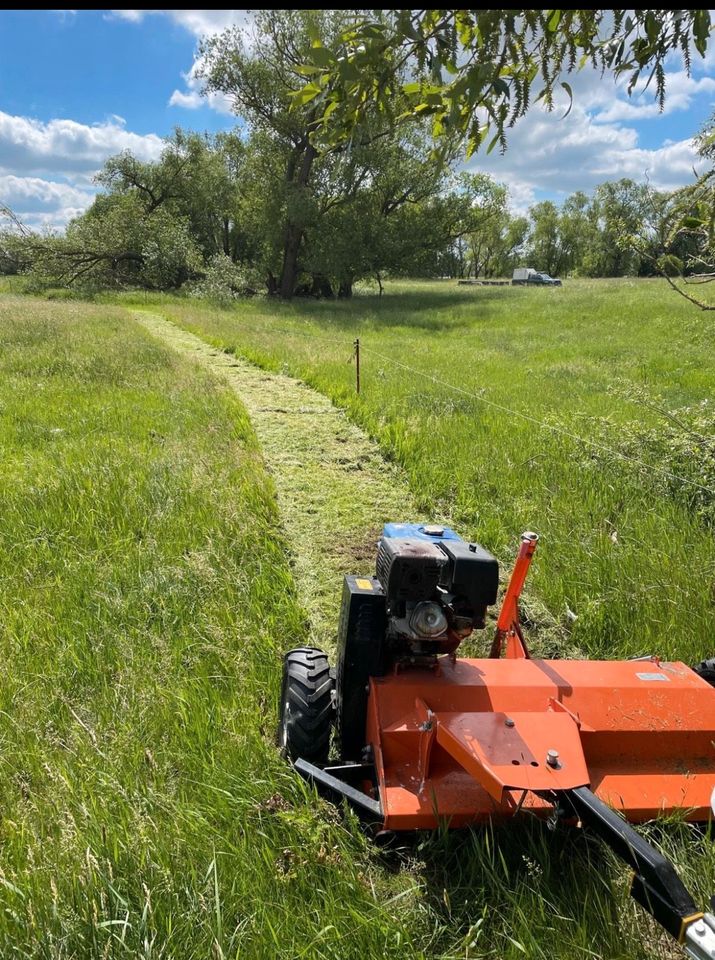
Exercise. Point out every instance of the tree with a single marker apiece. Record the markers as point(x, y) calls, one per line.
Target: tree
point(258, 77)
point(545, 245)
point(13, 234)
point(196, 178)
point(116, 244)
point(682, 247)
point(324, 216)
point(475, 72)
point(486, 214)
point(621, 208)
point(579, 232)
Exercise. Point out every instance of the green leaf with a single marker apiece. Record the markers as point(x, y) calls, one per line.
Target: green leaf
point(349, 73)
point(692, 223)
point(567, 88)
point(493, 142)
point(501, 86)
point(701, 30)
point(308, 70)
point(307, 93)
point(321, 56)
point(554, 21)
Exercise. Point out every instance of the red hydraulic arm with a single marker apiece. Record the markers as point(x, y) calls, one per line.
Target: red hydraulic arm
point(508, 628)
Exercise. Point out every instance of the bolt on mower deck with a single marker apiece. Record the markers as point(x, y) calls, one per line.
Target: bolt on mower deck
point(425, 737)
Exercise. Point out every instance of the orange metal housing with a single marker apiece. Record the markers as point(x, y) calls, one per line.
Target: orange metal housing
point(468, 740)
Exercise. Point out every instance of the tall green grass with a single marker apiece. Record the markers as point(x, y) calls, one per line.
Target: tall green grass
point(146, 601)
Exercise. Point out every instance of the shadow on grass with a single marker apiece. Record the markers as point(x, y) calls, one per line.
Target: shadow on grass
point(512, 882)
point(416, 309)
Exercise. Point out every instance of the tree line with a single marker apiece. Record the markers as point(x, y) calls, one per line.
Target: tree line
point(273, 206)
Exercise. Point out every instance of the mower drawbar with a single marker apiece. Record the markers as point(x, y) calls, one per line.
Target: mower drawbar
point(424, 737)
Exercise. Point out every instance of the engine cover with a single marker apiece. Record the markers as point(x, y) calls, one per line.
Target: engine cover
point(472, 573)
point(409, 570)
point(429, 562)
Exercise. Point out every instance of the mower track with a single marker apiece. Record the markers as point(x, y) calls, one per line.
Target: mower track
point(333, 486)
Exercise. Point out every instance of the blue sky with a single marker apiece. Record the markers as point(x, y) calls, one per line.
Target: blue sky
point(79, 86)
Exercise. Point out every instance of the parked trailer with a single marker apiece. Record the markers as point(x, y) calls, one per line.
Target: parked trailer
point(526, 275)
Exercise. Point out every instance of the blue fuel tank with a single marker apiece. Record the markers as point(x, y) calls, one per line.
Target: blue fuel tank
point(420, 531)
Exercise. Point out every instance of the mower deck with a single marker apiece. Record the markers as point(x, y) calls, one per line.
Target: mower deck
point(427, 739)
point(465, 740)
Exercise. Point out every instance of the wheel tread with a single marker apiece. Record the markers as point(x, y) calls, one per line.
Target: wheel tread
point(306, 706)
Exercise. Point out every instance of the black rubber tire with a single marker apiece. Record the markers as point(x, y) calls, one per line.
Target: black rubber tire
point(706, 670)
point(306, 706)
point(361, 659)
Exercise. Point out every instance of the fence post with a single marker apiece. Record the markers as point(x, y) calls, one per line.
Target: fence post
point(357, 364)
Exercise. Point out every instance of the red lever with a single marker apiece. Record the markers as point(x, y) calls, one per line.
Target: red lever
point(508, 622)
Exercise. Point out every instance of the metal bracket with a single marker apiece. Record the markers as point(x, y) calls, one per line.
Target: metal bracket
point(334, 778)
point(656, 885)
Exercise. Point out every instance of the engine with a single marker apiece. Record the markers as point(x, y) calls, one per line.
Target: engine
point(437, 588)
point(430, 591)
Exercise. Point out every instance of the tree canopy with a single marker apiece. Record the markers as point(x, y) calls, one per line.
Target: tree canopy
point(476, 72)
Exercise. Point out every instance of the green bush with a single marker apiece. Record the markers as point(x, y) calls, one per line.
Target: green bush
point(225, 281)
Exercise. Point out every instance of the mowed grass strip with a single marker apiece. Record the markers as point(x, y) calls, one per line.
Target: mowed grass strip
point(333, 487)
point(146, 601)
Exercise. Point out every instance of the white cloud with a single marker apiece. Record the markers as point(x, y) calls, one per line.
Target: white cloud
point(521, 196)
point(680, 91)
point(36, 191)
point(561, 156)
point(199, 22)
point(46, 169)
point(133, 16)
point(597, 141)
point(43, 203)
point(192, 98)
point(66, 147)
point(190, 101)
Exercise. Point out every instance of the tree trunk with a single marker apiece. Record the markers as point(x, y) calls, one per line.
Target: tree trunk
point(379, 283)
point(294, 230)
point(321, 287)
point(226, 237)
point(272, 284)
point(345, 291)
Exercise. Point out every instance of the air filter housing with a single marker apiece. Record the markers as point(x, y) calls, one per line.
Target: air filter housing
point(409, 570)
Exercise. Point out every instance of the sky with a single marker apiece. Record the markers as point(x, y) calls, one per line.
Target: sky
point(77, 87)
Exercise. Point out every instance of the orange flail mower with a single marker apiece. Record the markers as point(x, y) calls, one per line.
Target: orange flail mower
point(425, 737)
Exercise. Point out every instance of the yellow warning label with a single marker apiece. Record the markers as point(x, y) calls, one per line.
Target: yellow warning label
point(364, 584)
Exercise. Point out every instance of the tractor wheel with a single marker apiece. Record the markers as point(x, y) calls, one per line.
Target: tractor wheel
point(706, 670)
point(306, 706)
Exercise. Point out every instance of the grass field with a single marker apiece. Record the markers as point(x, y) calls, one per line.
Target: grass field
point(147, 599)
point(146, 602)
